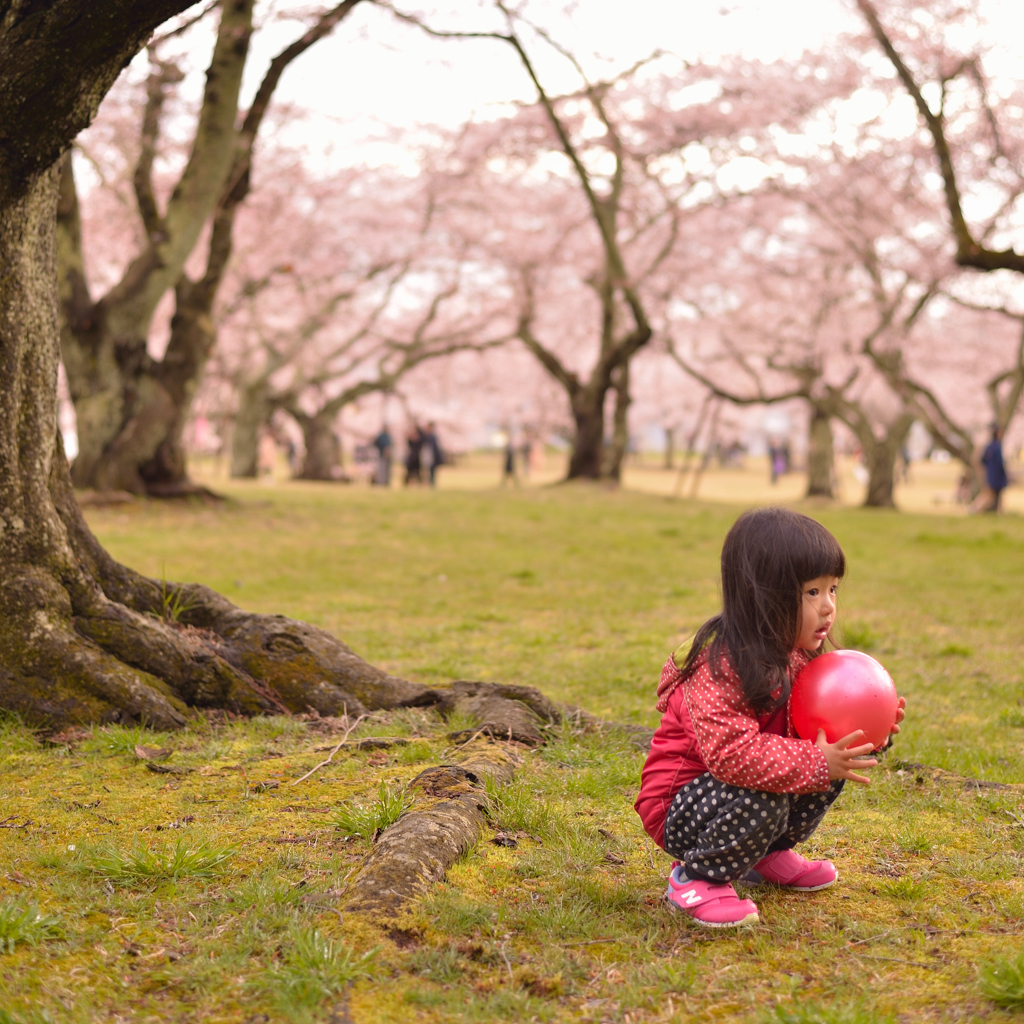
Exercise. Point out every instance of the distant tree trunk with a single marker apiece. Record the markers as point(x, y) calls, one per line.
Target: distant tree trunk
point(192, 339)
point(254, 412)
point(323, 453)
point(587, 458)
point(670, 447)
point(616, 452)
point(820, 453)
point(880, 457)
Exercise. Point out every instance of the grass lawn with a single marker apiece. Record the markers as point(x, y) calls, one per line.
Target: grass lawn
point(210, 895)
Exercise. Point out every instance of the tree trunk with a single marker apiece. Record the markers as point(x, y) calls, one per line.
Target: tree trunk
point(587, 458)
point(254, 412)
point(881, 463)
point(323, 452)
point(670, 447)
point(616, 451)
point(192, 338)
point(820, 453)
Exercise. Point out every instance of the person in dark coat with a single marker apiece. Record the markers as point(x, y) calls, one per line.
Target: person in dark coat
point(432, 454)
point(384, 445)
point(413, 453)
point(996, 479)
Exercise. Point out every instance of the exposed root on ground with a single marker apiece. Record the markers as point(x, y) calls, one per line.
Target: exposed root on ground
point(85, 639)
point(449, 815)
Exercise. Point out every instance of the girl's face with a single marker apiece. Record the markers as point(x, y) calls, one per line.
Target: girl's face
point(817, 612)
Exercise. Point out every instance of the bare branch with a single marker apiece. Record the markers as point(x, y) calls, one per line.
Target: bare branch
point(969, 252)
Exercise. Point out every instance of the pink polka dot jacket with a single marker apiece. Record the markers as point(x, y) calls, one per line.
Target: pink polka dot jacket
point(708, 726)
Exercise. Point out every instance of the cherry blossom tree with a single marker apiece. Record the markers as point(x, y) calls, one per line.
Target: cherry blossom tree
point(973, 123)
point(131, 406)
point(340, 288)
point(624, 160)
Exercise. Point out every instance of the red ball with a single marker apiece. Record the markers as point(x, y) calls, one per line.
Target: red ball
point(841, 692)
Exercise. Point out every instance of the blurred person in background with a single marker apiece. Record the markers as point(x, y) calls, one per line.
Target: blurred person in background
point(385, 446)
point(432, 455)
point(996, 480)
point(413, 455)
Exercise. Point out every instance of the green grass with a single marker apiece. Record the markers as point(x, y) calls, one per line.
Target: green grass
point(365, 820)
point(22, 921)
point(213, 896)
point(180, 859)
point(1002, 981)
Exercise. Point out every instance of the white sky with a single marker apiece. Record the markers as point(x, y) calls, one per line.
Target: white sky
point(378, 72)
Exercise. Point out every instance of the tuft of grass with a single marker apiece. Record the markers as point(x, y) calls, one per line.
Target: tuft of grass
point(905, 888)
point(1002, 980)
point(15, 736)
point(816, 1013)
point(173, 602)
point(441, 965)
point(955, 651)
point(365, 820)
point(914, 842)
point(1013, 717)
point(21, 921)
point(314, 969)
point(123, 739)
point(859, 636)
point(183, 859)
point(516, 808)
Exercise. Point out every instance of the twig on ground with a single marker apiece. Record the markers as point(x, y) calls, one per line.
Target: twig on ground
point(871, 938)
point(504, 957)
point(588, 942)
point(317, 768)
point(11, 817)
point(650, 853)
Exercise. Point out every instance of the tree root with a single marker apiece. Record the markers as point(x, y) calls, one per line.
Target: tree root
point(451, 801)
point(422, 845)
point(63, 677)
point(119, 646)
point(515, 713)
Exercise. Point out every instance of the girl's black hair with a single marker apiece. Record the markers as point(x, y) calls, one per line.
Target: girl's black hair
point(768, 555)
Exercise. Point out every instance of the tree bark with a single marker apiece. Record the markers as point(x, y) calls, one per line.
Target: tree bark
point(415, 852)
point(616, 451)
point(82, 638)
point(587, 458)
point(670, 447)
point(322, 460)
point(254, 412)
point(880, 456)
point(820, 453)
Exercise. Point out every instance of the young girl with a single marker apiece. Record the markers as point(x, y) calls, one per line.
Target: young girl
point(728, 788)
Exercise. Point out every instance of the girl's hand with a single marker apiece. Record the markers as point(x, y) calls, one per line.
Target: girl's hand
point(900, 715)
point(842, 758)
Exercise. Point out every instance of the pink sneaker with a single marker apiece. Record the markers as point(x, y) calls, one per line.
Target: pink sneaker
point(709, 904)
point(787, 868)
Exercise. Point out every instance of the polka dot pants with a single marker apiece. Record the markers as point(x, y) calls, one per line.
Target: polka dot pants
point(720, 831)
